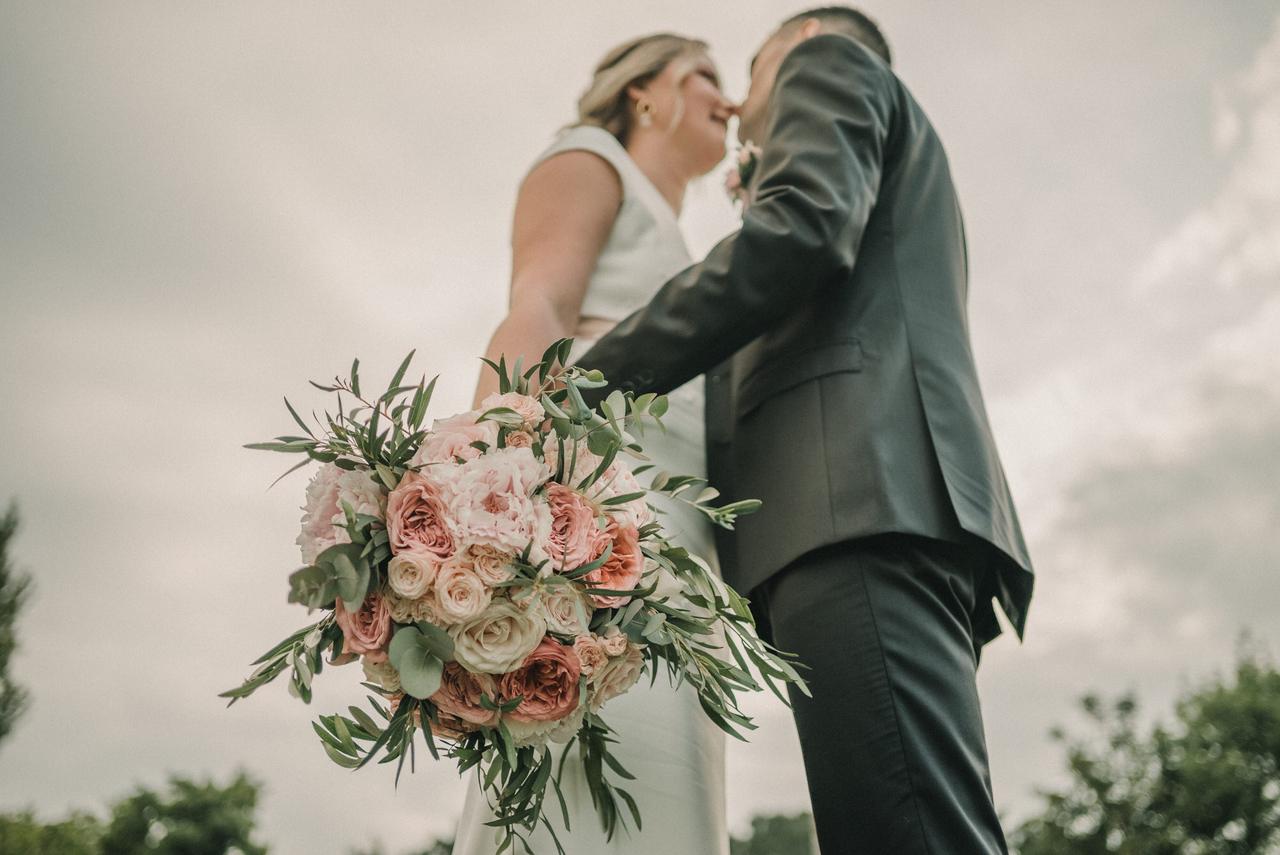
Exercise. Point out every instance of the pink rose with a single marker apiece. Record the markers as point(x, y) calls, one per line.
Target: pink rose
point(450, 439)
point(591, 655)
point(490, 499)
point(323, 522)
point(575, 538)
point(529, 410)
point(459, 695)
point(366, 630)
point(519, 439)
point(547, 683)
point(622, 571)
point(461, 595)
point(614, 641)
point(418, 519)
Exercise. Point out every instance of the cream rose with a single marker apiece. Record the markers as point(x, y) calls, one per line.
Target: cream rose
point(410, 574)
point(418, 519)
point(566, 610)
point(424, 608)
point(616, 677)
point(401, 608)
point(498, 640)
point(486, 562)
point(460, 594)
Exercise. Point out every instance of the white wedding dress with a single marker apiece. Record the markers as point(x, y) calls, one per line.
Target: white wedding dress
point(665, 740)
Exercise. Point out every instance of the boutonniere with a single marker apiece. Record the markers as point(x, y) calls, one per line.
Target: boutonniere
point(738, 181)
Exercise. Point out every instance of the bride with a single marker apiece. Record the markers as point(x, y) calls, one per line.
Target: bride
point(595, 235)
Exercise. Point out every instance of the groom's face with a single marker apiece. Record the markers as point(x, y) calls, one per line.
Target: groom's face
point(764, 71)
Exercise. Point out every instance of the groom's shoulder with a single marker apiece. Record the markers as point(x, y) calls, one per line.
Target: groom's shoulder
point(834, 53)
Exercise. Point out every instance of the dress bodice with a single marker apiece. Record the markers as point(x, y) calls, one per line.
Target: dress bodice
point(645, 248)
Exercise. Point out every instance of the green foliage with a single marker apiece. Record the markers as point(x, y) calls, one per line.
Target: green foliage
point(15, 587)
point(777, 834)
point(1208, 784)
point(192, 818)
point(188, 818)
point(23, 834)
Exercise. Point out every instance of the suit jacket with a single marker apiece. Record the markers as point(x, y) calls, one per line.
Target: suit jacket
point(841, 382)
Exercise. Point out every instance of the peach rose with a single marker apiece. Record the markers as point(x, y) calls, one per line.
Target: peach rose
point(617, 676)
point(418, 519)
point(623, 569)
point(529, 409)
point(410, 574)
point(591, 655)
point(450, 439)
point(499, 639)
point(460, 594)
point(459, 695)
point(547, 683)
point(366, 630)
point(619, 481)
point(614, 641)
point(519, 439)
point(575, 538)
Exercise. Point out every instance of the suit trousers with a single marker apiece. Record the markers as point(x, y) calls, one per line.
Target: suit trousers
point(892, 738)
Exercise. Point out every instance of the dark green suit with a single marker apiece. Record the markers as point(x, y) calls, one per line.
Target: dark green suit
point(842, 391)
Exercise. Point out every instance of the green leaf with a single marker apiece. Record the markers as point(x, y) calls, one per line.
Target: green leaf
point(420, 669)
point(313, 586)
point(437, 640)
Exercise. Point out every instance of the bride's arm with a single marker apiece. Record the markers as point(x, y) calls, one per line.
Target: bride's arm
point(564, 213)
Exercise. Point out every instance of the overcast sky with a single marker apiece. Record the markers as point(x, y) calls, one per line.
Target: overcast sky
point(204, 205)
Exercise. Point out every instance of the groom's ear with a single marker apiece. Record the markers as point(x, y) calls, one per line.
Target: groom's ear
point(810, 28)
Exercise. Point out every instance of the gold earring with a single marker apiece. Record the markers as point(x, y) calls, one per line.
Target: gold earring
point(645, 109)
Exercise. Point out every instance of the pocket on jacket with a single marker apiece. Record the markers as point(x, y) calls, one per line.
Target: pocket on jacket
point(791, 370)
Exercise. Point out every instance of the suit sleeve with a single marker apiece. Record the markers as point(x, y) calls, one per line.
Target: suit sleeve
point(819, 176)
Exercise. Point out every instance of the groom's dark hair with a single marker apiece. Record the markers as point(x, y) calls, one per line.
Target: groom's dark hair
point(849, 22)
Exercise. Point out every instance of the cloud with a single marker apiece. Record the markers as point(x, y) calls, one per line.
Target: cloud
point(1154, 476)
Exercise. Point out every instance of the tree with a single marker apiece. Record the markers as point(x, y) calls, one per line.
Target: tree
point(191, 818)
point(14, 588)
point(1209, 784)
point(777, 834)
point(79, 834)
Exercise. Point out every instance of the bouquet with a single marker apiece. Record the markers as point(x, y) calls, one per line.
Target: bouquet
point(737, 182)
point(500, 577)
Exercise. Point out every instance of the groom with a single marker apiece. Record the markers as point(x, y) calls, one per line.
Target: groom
point(842, 391)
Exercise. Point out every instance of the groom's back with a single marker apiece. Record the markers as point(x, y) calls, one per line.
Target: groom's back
point(860, 412)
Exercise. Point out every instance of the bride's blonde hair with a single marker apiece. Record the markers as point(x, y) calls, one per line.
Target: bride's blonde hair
point(606, 103)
